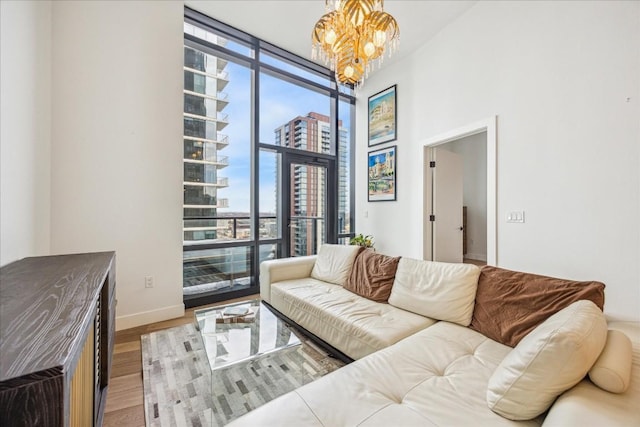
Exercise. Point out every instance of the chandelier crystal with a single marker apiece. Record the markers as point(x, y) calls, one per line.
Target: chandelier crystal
point(353, 36)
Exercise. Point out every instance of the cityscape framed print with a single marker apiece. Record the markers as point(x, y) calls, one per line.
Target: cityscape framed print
point(382, 174)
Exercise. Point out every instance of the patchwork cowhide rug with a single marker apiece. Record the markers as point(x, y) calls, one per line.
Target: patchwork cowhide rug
point(177, 379)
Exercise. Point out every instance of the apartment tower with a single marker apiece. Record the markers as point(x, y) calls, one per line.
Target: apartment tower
point(308, 184)
point(204, 102)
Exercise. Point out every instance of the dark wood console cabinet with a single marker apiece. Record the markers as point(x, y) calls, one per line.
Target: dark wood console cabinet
point(57, 327)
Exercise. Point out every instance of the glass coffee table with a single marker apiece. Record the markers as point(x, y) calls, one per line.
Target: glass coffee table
point(253, 357)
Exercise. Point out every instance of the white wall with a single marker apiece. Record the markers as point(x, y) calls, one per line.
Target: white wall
point(473, 152)
point(25, 127)
point(117, 146)
point(558, 75)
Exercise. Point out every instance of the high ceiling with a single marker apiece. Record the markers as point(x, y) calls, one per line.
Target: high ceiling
point(288, 24)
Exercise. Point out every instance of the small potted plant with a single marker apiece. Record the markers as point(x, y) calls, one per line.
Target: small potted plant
point(362, 240)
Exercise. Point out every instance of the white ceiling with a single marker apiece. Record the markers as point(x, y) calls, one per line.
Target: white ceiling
point(288, 24)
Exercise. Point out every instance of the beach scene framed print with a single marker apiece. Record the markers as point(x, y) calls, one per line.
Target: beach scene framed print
point(383, 117)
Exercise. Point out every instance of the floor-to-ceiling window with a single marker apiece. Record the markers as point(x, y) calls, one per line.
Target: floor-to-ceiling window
point(268, 143)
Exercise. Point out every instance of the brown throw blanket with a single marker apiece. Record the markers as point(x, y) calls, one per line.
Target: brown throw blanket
point(510, 304)
point(372, 275)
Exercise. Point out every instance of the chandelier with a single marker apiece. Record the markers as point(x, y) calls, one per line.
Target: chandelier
point(352, 36)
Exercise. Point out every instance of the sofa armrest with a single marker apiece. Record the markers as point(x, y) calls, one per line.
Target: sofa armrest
point(587, 404)
point(277, 270)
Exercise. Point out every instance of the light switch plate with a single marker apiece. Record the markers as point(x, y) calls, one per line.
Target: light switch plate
point(515, 216)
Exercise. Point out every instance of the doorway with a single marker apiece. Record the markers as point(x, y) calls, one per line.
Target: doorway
point(460, 170)
point(307, 222)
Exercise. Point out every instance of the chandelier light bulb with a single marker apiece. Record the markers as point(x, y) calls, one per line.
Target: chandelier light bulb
point(348, 71)
point(379, 37)
point(330, 37)
point(369, 49)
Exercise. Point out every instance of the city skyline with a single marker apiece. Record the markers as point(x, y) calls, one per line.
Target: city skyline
point(218, 174)
point(300, 102)
point(219, 184)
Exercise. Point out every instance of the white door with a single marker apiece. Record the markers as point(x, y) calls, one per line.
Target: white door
point(447, 206)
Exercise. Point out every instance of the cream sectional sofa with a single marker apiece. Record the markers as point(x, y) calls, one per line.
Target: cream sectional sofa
point(418, 364)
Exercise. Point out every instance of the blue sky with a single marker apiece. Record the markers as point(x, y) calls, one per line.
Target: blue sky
point(378, 158)
point(279, 102)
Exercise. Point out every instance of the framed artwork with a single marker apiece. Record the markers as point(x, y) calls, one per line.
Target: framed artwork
point(382, 174)
point(383, 117)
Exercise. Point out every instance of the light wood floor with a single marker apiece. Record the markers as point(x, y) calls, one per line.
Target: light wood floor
point(125, 405)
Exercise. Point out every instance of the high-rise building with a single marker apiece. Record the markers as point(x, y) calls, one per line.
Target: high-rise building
point(308, 183)
point(344, 188)
point(204, 101)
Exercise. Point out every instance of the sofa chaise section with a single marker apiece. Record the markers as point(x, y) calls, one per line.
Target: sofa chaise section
point(436, 377)
point(440, 376)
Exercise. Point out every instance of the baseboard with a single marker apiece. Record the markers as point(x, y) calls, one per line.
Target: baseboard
point(146, 317)
point(477, 257)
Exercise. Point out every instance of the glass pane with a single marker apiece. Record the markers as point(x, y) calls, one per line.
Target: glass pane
point(346, 90)
point(213, 271)
point(200, 196)
point(206, 84)
point(292, 116)
point(195, 171)
point(269, 190)
point(204, 106)
point(201, 128)
point(269, 251)
point(294, 69)
point(195, 150)
point(217, 187)
point(206, 65)
point(308, 209)
point(218, 39)
point(344, 167)
point(306, 236)
point(236, 217)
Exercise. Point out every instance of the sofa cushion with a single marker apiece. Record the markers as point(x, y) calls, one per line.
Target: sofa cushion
point(510, 304)
point(352, 324)
point(334, 262)
point(612, 370)
point(438, 290)
point(554, 357)
point(372, 275)
point(436, 377)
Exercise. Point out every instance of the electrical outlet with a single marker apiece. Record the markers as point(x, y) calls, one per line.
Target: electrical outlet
point(148, 282)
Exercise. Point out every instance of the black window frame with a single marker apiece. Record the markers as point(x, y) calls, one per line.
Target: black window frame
point(336, 94)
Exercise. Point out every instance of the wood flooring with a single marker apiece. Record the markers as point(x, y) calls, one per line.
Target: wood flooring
point(125, 405)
